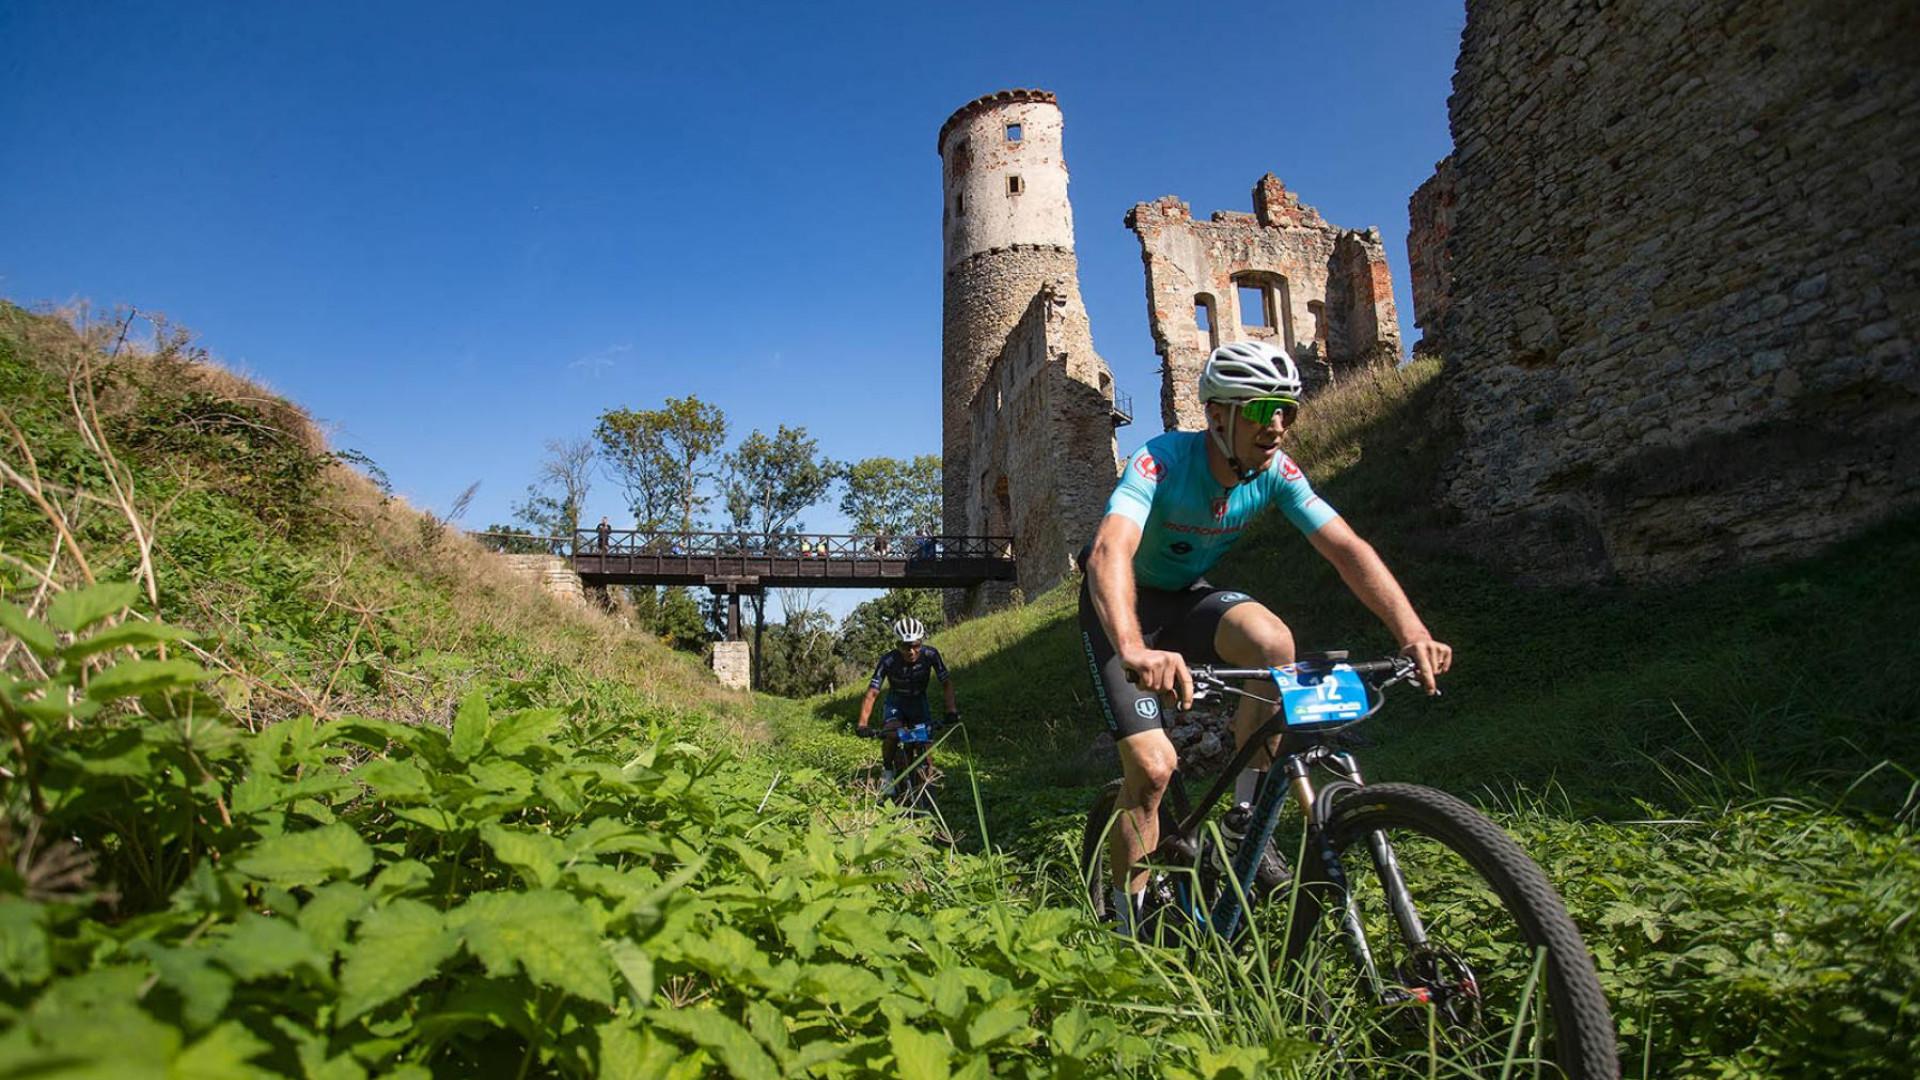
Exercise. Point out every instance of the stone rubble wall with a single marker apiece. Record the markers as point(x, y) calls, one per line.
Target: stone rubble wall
point(1338, 310)
point(1685, 281)
point(733, 664)
point(986, 295)
point(553, 572)
point(1430, 216)
point(1042, 432)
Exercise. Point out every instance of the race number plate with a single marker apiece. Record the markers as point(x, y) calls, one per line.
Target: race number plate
point(1321, 698)
point(918, 733)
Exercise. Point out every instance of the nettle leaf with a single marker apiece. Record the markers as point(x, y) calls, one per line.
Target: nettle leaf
point(30, 632)
point(334, 905)
point(398, 947)
point(131, 677)
point(259, 948)
point(470, 726)
point(535, 856)
point(77, 609)
point(203, 988)
point(398, 879)
point(308, 858)
point(221, 1053)
point(995, 1023)
point(548, 934)
point(128, 634)
point(518, 731)
point(24, 959)
point(849, 988)
point(395, 780)
point(731, 1043)
point(920, 1055)
point(636, 967)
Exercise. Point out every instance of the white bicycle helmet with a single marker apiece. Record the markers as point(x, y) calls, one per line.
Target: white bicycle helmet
point(908, 630)
point(1240, 370)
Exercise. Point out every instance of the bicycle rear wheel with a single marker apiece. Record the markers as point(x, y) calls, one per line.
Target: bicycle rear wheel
point(1502, 976)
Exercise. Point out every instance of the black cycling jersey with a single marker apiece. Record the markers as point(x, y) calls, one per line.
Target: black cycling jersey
point(906, 677)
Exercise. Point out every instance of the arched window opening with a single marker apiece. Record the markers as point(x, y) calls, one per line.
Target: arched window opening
point(1205, 322)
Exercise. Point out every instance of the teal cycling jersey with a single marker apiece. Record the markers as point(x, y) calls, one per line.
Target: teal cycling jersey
point(1188, 520)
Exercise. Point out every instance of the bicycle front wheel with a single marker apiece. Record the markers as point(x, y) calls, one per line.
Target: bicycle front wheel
point(1475, 960)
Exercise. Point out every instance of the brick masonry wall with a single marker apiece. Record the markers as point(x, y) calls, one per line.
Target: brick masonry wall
point(1686, 280)
point(1042, 434)
point(1336, 310)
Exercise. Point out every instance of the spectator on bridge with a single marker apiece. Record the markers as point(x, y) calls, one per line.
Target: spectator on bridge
point(880, 544)
point(603, 533)
point(926, 548)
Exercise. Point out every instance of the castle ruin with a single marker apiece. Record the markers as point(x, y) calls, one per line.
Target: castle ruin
point(1684, 248)
point(1027, 425)
point(1281, 274)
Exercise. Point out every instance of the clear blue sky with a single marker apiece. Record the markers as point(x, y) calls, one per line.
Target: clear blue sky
point(454, 231)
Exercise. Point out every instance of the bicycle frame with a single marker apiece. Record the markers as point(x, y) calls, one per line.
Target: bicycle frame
point(1296, 767)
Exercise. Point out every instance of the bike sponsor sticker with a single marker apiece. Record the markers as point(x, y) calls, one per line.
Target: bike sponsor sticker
point(1316, 698)
point(1148, 708)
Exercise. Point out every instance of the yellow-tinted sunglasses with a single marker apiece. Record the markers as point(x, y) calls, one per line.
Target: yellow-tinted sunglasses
point(1260, 410)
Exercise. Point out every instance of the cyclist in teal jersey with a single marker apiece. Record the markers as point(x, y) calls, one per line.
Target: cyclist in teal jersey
point(1147, 609)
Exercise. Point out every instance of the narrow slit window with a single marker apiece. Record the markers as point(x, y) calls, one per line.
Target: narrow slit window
point(1015, 133)
point(1203, 314)
point(1015, 186)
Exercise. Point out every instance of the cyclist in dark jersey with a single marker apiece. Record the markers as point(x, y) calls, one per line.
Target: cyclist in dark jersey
point(1146, 608)
point(907, 668)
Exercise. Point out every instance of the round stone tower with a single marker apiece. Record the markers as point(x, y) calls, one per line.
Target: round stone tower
point(1007, 230)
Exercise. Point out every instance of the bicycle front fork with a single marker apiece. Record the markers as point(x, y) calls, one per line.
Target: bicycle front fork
point(1385, 867)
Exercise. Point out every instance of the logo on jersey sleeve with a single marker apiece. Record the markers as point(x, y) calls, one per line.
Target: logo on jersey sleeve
point(1288, 470)
point(1149, 468)
point(1219, 508)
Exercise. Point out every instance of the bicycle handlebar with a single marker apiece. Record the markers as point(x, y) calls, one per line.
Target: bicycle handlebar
point(1396, 667)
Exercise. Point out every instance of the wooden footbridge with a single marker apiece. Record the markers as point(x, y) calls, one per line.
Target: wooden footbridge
point(735, 564)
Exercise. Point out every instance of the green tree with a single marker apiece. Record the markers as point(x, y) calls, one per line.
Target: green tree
point(663, 458)
point(513, 540)
point(770, 482)
point(893, 496)
point(799, 650)
point(559, 492)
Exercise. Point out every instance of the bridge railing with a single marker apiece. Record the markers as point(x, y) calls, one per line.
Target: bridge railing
point(836, 546)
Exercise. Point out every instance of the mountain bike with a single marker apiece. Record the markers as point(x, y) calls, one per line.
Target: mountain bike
point(911, 763)
point(1456, 939)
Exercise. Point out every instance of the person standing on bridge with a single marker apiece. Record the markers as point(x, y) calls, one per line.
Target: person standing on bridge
point(603, 534)
point(906, 668)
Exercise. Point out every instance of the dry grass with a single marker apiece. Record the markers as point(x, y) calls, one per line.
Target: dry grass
point(385, 563)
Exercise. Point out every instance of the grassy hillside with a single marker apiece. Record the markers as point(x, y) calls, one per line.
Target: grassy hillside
point(297, 782)
point(1719, 775)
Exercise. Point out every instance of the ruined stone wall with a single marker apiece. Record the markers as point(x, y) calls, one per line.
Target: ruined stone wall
point(986, 295)
point(1686, 280)
point(1330, 292)
point(1042, 440)
point(1001, 242)
point(1430, 221)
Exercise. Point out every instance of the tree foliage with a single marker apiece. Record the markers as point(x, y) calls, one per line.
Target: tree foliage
point(770, 482)
point(559, 492)
point(893, 496)
point(663, 458)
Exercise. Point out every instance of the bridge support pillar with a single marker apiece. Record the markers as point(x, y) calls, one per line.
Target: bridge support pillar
point(733, 663)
